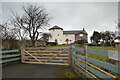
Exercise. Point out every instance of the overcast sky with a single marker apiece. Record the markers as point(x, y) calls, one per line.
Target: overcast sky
point(93, 16)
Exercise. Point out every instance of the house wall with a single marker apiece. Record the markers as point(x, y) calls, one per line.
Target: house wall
point(69, 37)
point(61, 38)
point(56, 34)
point(77, 37)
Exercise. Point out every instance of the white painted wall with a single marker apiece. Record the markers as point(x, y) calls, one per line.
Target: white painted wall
point(69, 37)
point(61, 39)
point(54, 33)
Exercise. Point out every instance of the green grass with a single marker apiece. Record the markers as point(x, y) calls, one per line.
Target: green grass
point(101, 47)
point(60, 46)
point(100, 57)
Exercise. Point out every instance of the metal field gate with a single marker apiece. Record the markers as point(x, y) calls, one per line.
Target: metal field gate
point(46, 55)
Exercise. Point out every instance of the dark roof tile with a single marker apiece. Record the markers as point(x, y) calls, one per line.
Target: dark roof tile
point(74, 32)
point(56, 27)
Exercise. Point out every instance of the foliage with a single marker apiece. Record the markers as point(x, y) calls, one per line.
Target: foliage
point(81, 42)
point(95, 38)
point(104, 38)
point(46, 36)
point(107, 38)
point(51, 43)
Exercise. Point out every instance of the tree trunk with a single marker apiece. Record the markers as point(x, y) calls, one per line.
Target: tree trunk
point(33, 43)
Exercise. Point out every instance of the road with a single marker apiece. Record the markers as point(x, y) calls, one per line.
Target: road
point(20, 70)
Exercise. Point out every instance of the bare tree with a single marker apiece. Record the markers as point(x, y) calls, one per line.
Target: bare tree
point(8, 36)
point(20, 32)
point(7, 31)
point(34, 19)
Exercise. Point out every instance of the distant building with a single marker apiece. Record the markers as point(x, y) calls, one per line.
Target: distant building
point(59, 35)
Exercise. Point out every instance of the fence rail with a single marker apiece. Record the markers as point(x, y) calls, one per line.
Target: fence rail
point(9, 56)
point(93, 68)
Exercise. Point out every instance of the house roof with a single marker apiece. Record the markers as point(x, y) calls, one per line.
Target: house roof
point(75, 32)
point(56, 27)
point(69, 32)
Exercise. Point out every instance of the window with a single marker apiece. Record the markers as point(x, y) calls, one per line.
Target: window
point(60, 40)
point(58, 34)
point(56, 40)
point(81, 35)
point(66, 35)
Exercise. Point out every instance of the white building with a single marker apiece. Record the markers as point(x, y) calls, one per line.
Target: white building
point(57, 34)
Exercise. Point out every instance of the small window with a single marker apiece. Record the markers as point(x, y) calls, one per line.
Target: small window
point(60, 40)
point(81, 35)
point(53, 29)
point(66, 35)
point(58, 34)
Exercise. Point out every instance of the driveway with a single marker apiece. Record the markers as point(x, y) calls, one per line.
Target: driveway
point(20, 70)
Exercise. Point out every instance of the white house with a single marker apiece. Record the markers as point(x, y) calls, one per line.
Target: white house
point(59, 35)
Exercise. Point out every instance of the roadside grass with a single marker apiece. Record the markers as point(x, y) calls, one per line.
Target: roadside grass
point(65, 72)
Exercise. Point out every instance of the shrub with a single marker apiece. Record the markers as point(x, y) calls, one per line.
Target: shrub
point(81, 42)
point(108, 44)
point(51, 43)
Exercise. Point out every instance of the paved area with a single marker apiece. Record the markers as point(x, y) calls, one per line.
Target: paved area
point(19, 70)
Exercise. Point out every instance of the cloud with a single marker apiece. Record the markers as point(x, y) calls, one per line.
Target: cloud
point(92, 16)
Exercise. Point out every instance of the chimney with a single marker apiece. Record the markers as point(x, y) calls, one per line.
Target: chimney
point(83, 29)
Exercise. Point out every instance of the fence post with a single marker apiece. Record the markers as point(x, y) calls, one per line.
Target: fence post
point(69, 56)
point(117, 48)
point(86, 46)
point(22, 54)
point(73, 53)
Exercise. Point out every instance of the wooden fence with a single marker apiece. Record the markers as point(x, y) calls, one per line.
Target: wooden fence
point(46, 55)
point(9, 56)
point(92, 68)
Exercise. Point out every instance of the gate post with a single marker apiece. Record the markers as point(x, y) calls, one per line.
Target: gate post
point(117, 48)
point(69, 56)
point(22, 55)
point(86, 46)
point(73, 55)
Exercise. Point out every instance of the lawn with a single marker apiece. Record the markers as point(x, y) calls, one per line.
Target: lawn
point(101, 47)
point(60, 46)
point(100, 57)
